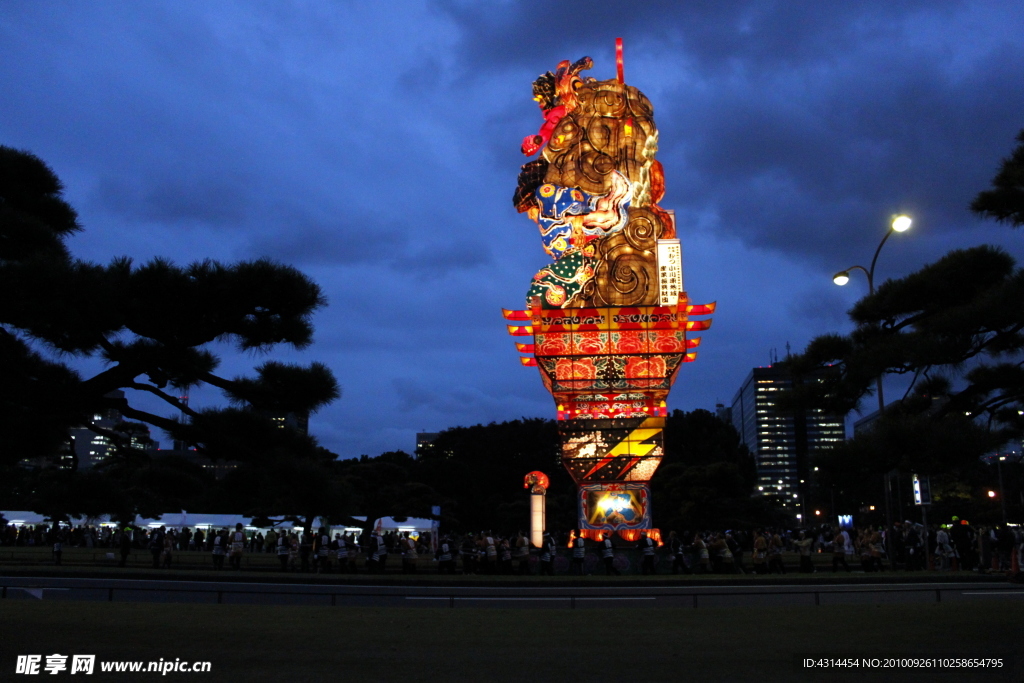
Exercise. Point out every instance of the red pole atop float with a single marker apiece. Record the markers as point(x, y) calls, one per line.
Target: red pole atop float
point(618, 60)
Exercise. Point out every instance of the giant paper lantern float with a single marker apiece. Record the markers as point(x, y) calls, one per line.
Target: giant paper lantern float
point(607, 320)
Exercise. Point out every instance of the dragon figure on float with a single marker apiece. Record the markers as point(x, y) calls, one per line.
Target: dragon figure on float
point(609, 316)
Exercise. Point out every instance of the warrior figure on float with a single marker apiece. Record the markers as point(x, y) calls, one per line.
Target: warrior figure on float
point(594, 191)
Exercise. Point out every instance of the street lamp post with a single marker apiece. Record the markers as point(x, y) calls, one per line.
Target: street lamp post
point(1002, 492)
point(900, 223)
point(999, 458)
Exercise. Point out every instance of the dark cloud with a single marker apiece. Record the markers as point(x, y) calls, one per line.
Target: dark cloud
point(180, 199)
point(379, 151)
point(712, 35)
point(800, 126)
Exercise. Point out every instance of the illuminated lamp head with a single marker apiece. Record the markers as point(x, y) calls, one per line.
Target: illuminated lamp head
point(901, 223)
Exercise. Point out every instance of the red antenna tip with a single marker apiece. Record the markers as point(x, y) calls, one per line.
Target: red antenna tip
point(618, 60)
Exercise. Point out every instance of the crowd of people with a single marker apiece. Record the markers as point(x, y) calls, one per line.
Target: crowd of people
point(902, 546)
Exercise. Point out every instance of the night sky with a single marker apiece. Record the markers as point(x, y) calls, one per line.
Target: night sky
point(376, 147)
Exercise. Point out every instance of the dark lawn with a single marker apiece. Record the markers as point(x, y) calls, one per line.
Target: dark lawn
point(271, 643)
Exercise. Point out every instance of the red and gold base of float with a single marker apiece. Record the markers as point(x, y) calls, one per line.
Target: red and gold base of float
point(610, 371)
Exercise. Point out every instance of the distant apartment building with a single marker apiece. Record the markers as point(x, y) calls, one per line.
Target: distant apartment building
point(93, 443)
point(425, 442)
point(299, 421)
point(783, 441)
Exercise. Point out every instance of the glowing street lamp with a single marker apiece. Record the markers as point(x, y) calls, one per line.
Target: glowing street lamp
point(899, 223)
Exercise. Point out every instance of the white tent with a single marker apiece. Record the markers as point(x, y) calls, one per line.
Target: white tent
point(192, 520)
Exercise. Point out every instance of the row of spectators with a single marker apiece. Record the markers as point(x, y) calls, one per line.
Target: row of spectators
point(903, 546)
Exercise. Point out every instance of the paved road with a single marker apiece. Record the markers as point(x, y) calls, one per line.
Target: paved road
point(582, 597)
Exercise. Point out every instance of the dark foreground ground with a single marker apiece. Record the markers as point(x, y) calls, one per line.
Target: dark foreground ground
point(280, 643)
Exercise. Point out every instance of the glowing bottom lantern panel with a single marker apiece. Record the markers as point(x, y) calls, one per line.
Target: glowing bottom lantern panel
point(614, 507)
point(615, 450)
point(538, 518)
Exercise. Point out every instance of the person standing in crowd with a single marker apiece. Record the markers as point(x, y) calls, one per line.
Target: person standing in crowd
point(489, 556)
point(124, 544)
point(943, 550)
point(839, 552)
point(700, 549)
point(468, 552)
point(408, 546)
point(876, 547)
point(293, 551)
point(305, 550)
point(959, 538)
point(314, 553)
point(523, 553)
point(353, 553)
point(445, 556)
point(505, 556)
point(675, 556)
point(168, 551)
point(379, 553)
point(848, 548)
point(861, 544)
point(323, 551)
point(283, 551)
point(804, 546)
point(341, 550)
point(156, 546)
point(647, 548)
point(759, 558)
point(912, 543)
point(579, 553)
point(58, 544)
point(270, 542)
point(722, 560)
point(219, 549)
point(547, 555)
point(237, 547)
point(775, 553)
point(608, 554)
point(894, 550)
point(737, 553)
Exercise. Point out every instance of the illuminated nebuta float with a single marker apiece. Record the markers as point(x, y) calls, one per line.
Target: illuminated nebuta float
point(609, 316)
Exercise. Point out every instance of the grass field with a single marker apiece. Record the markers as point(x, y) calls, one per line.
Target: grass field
point(272, 643)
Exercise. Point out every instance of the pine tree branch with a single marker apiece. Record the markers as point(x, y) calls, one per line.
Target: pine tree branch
point(164, 423)
point(110, 379)
point(106, 345)
point(166, 397)
point(219, 382)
